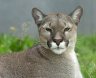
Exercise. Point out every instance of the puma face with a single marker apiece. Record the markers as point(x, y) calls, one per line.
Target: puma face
point(57, 31)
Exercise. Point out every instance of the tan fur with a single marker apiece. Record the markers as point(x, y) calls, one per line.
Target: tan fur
point(43, 61)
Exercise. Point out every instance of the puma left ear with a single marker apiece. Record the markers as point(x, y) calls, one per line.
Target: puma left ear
point(76, 14)
point(37, 15)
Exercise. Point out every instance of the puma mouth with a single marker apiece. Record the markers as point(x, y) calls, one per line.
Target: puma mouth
point(58, 49)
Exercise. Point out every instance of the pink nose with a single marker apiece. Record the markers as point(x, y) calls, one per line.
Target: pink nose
point(57, 41)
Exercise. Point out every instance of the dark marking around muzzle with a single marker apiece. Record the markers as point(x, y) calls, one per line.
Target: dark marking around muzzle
point(67, 42)
point(48, 43)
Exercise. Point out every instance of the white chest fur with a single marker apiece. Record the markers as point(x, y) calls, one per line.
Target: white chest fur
point(73, 56)
point(76, 64)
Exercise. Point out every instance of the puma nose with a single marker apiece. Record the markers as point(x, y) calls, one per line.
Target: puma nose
point(57, 41)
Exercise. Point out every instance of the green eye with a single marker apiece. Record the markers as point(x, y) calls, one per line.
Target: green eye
point(67, 29)
point(48, 29)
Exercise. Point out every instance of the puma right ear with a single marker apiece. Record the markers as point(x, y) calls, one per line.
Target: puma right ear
point(76, 14)
point(37, 15)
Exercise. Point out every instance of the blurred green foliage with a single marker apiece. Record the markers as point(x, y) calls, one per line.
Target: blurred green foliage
point(85, 49)
point(9, 43)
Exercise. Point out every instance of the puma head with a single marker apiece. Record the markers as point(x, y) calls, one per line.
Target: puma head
point(57, 31)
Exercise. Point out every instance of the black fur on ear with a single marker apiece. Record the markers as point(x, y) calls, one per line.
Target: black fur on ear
point(76, 14)
point(37, 15)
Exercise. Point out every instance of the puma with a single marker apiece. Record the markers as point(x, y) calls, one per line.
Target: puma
point(54, 57)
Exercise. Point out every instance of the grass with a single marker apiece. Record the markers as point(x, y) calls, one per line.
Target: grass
point(85, 49)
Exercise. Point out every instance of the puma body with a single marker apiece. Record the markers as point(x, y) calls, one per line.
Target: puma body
point(35, 63)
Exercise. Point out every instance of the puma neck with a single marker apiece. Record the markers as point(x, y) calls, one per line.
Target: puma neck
point(49, 55)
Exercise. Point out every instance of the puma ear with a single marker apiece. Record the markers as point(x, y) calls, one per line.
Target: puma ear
point(37, 15)
point(76, 14)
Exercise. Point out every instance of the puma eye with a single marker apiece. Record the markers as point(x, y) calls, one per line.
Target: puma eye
point(67, 29)
point(48, 29)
